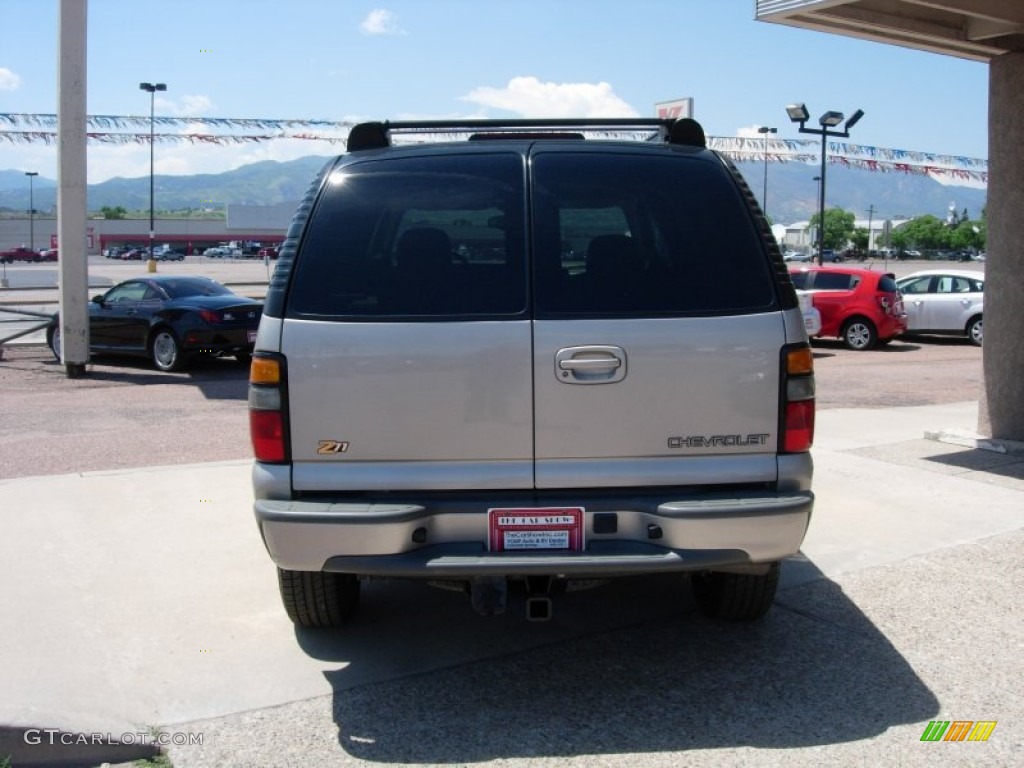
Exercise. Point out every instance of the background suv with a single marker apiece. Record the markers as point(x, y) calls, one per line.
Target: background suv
point(860, 306)
point(503, 359)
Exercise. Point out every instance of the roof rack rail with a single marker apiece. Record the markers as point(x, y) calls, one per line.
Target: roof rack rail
point(378, 134)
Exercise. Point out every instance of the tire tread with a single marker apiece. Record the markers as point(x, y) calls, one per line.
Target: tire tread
point(736, 596)
point(318, 600)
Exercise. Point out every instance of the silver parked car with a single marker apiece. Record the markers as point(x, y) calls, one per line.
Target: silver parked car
point(944, 301)
point(505, 359)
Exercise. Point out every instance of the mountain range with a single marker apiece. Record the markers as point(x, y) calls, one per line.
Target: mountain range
point(792, 190)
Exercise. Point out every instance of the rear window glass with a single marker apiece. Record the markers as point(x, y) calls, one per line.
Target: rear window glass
point(887, 283)
point(181, 287)
point(425, 236)
point(651, 234)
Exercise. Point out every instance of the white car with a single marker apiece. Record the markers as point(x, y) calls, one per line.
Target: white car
point(796, 256)
point(945, 301)
point(812, 317)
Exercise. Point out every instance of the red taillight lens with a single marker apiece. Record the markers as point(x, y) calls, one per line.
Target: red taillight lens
point(267, 431)
point(799, 433)
point(213, 318)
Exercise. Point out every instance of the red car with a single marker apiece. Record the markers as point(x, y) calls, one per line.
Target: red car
point(862, 307)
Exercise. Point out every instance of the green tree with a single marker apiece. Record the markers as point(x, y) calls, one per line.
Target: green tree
point(117, 212)
point(922, 232)
point(860, 238)
point(838, 227)
point(970, 234)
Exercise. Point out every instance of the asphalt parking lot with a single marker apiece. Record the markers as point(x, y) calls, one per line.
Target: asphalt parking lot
point(139, 597)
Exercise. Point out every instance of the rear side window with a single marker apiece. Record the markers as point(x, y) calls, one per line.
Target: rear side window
point(834, 281)
point(917, 285)
point(652, 234)
point(415, 237)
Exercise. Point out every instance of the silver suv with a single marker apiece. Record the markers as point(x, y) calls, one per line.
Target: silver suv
point(530, 352)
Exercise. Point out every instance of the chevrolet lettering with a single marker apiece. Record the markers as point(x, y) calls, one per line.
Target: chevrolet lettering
point(717, 441)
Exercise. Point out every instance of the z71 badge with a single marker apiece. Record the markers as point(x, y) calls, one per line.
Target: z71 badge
point(332, 446)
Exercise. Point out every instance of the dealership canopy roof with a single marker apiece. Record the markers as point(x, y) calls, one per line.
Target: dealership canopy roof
point(970, 29)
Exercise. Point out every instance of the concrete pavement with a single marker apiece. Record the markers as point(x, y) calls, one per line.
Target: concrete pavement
point(144, 599)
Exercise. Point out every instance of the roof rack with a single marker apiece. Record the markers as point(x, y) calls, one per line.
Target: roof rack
point(379, 134)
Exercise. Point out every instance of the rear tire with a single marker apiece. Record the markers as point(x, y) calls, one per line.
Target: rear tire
point(735, 596)
point(165, 350)
point(318, 600)
point(54, 342)
point(974, 331)
point(859, 333)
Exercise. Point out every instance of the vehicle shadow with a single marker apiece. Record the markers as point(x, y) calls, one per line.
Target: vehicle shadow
point(215, 378)
point(938, 340)
point(616, 671)
point(896, 346)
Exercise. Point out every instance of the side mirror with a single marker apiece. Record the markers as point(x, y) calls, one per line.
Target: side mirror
point(98, 299)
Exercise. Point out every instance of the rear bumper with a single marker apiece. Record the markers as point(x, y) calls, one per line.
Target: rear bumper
point(220, 341)
point(449, 539)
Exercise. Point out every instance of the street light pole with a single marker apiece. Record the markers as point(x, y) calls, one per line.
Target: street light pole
point(798, 114)
point(871, 220)
point(821, 200)
point(152, 88)
point(765, 130)
point(31, 211)
point(817, 194)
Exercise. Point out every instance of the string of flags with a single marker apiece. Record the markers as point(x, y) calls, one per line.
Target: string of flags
point(18, 128)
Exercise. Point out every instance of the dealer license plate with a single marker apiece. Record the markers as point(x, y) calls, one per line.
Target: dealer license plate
point(532, 528)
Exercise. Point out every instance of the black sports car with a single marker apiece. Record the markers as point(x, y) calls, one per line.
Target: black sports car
point(169, 318)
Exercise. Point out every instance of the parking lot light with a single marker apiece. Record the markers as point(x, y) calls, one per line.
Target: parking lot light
point(765, 130)
point(798, 114)
point(152, 88)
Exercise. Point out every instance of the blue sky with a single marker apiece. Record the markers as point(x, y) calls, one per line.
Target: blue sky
point(351, 60)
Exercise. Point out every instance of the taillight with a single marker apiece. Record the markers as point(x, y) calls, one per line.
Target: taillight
point(891, 304)
point(797, 433)
point(267, 423)
point(213, 318)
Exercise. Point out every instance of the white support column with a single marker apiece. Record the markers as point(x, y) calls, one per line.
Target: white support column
point(71, 192)
point(1001, 411)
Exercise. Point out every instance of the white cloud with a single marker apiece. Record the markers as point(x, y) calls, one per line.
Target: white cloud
point(749, 133)
point(380, 22)
point(9, 81)
point(529, 97)
point(187, 106)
